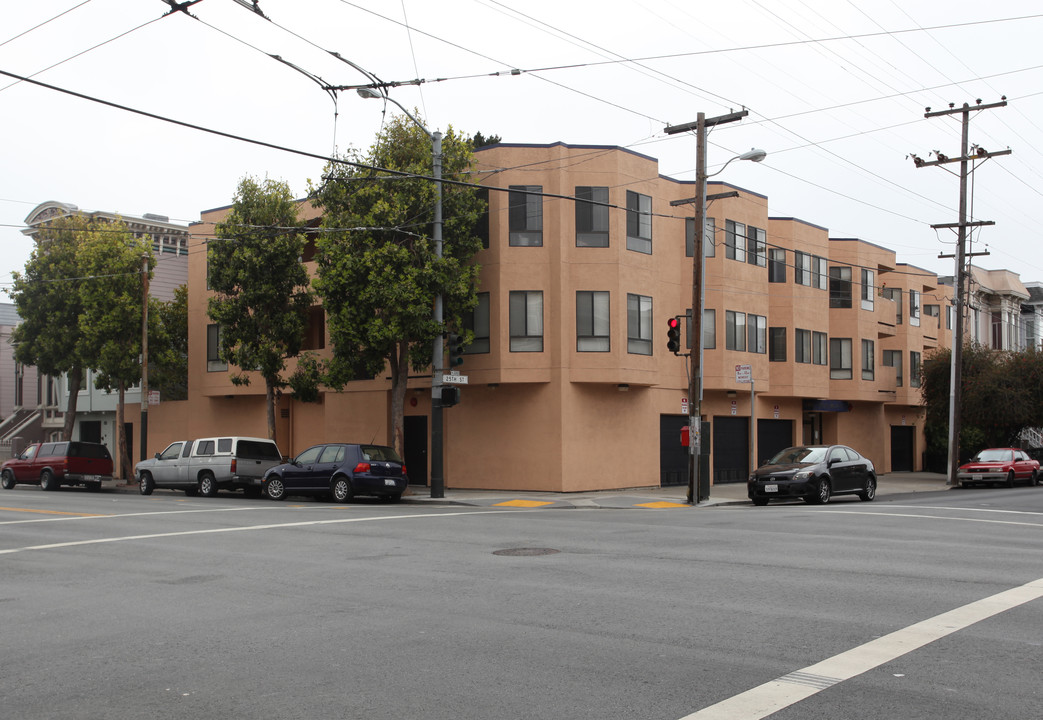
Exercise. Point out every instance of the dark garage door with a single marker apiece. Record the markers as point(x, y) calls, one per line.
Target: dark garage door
point(673, 457)
point(772, 436)
point(731, 449)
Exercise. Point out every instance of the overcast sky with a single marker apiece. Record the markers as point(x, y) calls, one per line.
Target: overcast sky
point(836, 91)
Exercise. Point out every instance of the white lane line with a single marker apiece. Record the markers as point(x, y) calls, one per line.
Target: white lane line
point(273, 526)
point(957, 508)
point(936, 517)
point(123, 515)
point(772, 696)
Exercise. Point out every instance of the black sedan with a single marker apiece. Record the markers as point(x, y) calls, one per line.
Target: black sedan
point(814, 473)
point(340, 471)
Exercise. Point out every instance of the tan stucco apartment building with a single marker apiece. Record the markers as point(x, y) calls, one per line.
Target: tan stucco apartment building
point(571, 386)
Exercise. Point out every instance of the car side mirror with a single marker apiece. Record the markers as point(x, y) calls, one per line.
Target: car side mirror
point(157, 456)
point(832, 462)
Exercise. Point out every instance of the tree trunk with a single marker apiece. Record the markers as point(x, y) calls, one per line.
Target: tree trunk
point(75, 374)
point(121, 434)
point(269, 398)
point(399, 384)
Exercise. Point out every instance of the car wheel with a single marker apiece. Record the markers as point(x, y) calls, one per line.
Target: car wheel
point(870, 492)
point(821, 494)
point(341, 489)
point(274, 488)
point(146, 484)
point(1034, 479)
point(759, 502)
point(7, 479)
point(1010, 479)
point(48, 481)
point(207, 485)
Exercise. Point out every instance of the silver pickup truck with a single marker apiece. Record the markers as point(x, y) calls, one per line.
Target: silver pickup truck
point(210, 464)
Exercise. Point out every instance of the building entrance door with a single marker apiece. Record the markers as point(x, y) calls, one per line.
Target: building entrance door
point(772, 436)
point(415, 430)
point(903, 439)
point(731, 449)
point(673, 457)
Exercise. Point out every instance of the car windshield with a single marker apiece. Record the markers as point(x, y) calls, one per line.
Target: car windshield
point(992, 456)
point(378, 453)
point(799, 455)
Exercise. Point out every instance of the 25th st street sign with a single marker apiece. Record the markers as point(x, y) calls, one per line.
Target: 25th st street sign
point(455, 379)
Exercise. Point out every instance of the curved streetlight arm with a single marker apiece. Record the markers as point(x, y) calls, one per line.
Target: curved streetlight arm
point(372, 93)
point(754, 155)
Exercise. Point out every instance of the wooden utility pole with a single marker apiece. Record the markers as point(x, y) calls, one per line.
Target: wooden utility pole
point(959, 279)
point(144, 359)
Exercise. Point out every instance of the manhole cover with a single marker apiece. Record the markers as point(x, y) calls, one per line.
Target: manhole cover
point(526, 551)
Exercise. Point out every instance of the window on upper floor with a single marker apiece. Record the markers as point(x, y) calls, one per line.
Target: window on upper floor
point(868, 360)
point(840, 286)
point(819, 345)
point(526, 320)
point(734, 330)
point(639, 222)
point(709, 328)
point(525, 215)
point(777, 344)
point(214, 363)
point(639, 324)
point(893, 358)
point(315, 330)
point(591, 216)
point(756, 246)
point(868, 288)
point(896, 295)
point(734, 240)
point(802, 346)
point(914, 369)
point(802, 268)
point(914, 308)
point(777, 265)
point(840, 358)
point(592, 321)
point(757, 334)
point(477, 321)
point(709, 237)
point(819, 276)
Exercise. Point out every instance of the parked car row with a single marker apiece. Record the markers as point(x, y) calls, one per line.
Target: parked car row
point(255, 465)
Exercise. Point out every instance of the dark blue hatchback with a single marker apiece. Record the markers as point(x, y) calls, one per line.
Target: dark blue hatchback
point(341, 471)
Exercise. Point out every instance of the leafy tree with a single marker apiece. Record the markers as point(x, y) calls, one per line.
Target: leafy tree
point(110, 320)
point(378, 278)
point(480, 140)
point(48, 301)
point(168, 346)
point(262, 288)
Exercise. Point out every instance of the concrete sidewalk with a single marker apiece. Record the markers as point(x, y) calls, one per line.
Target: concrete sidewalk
point(650, 497)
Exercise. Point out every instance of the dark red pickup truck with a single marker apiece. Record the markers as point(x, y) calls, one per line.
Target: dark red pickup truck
point(53, 464)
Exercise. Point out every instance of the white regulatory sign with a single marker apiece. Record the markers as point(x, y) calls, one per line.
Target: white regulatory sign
point(455, 379)
point(743, 373)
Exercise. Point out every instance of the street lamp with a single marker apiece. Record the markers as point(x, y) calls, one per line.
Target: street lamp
point(695, 377)
point(437, 480)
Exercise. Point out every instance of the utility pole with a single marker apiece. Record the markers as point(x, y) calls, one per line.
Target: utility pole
point(695, 376)
point(959, 279)
point(144, 358)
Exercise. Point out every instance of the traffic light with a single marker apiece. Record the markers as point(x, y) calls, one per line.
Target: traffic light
point(673, 335)
point(450, 395)
point(456, 350)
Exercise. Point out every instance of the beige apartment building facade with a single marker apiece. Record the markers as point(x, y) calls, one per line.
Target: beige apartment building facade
point(571, 386)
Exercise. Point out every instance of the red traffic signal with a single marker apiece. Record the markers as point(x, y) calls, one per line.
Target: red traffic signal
point(673, 335)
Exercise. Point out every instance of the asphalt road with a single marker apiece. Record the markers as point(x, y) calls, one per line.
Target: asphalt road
point(917, 606)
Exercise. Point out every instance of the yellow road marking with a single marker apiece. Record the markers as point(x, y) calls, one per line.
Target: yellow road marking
point(523, 503)
point(53, 512)
point(662, 504)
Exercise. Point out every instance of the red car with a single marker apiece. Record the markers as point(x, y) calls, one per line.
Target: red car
point(53, 464)
point(999, 465)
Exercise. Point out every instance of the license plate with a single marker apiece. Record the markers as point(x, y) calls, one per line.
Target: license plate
point(389, 482)
point(92, 477)
point(771, 488)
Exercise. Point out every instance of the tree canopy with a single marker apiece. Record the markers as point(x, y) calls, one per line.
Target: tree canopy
point(262, 290)
point(377, 268)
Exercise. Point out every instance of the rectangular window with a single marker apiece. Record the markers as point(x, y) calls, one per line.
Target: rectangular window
point(819, 277)
point(840, 358)
point(802, 268)
point(777, 265)
point(777, 344)
point(914, 369)
point(639, 324)
point(802, 346)
point(591, 217)
point(914, 308)
point(477, 321)
point(525, 215)
point(592, 321)
point(893, 358)
point(639, 222)
point(839, 287)
point(819, 345)
point(757, 332)
point(868, 288)
point(526, 320)
point(895, 294)
point(214, 363)
point(868, 360)
point(756, 246)
point(734, 240)
point(708, 237)
point(709, 329)
point(734, 330)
